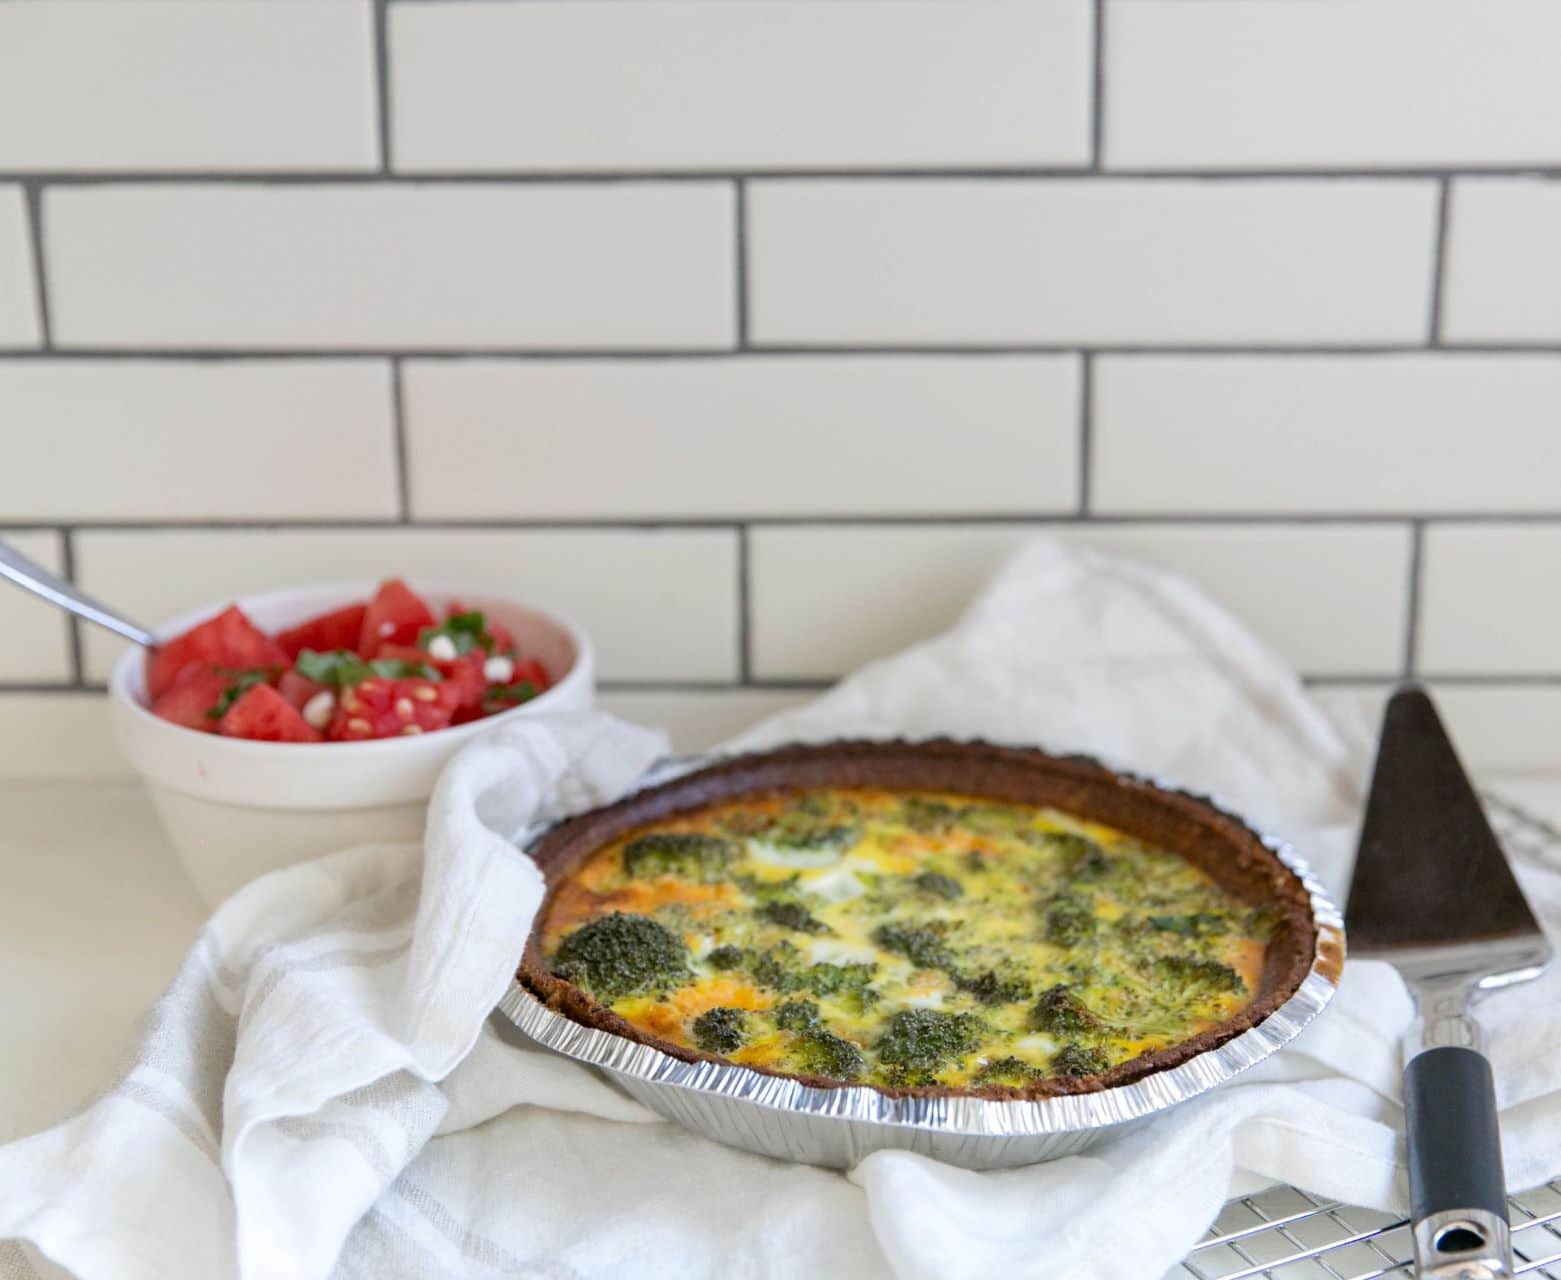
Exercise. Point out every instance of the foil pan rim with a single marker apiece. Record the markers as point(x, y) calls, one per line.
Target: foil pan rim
point(978, 1117)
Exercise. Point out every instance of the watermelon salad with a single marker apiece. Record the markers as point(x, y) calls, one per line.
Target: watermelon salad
point(386, 668)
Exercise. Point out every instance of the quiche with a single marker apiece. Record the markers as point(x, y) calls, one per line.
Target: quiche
point(928, 918)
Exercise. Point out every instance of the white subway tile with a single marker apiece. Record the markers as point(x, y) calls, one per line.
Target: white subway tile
point(18, 292)
point(246, 84)
point(660, 604)
point(347, 266)
point(169, 440)
point(1069, 260)
point(1503, 260)
point(698, 720)
point(1489, 602)
point(760, 85)
point(57, 735)
point(1291, 585)
point(1318, 83)
point(771, 435)
point(37, 636)
point(1503, 726)
point(1366, 433)
point(1495, 727)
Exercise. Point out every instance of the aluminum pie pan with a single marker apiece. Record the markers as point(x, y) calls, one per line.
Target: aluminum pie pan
point(836, 1127)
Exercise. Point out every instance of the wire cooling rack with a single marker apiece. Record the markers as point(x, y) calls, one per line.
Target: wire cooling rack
point(1286, 1234)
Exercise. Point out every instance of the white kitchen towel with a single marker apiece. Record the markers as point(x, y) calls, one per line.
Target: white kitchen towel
point(322, 1093)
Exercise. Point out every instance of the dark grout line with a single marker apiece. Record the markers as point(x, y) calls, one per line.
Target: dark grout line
point(32, 193)
point(788, 351)
point(49, 686)
point(1490, 680)
point(1469, 680)
point(1097, 91)
point(1348, 680)
point(382, 82)
point(1439, 264)
point(859, 173)
point(1039, 521)
point(399, 443)
point(740, 266)
point(744, 613)
point(72, 622)
point(713, 686)
point(1412, 620)
point(1465, 680)
point(1086, 432)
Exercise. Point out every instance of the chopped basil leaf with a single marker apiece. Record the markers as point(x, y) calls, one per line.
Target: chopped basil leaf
point(396, 669)
point(243, 682)
point(466, 631)
point(342, 668)
point(508, 695)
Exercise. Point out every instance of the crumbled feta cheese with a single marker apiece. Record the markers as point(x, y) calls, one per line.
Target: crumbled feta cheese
point(498, 670)
point(319, 709)
point(442, 649)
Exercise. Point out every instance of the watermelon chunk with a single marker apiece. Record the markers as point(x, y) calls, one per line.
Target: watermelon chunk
point(264, 715)
point(395, 615)
point(194, 693)
point(464, 671)
point(228, 640)
point(338, 629)
point(382, 708)
point(297, 689)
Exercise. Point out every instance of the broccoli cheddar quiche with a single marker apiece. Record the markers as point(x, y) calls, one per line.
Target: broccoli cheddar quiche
point(935, 917)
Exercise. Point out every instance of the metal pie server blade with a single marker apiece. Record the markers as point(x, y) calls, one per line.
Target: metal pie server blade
point(1432, 894)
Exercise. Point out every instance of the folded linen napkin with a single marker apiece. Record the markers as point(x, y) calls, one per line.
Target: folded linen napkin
point(321, 1091)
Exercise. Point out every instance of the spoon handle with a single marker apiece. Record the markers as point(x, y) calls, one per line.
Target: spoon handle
point(35, 578)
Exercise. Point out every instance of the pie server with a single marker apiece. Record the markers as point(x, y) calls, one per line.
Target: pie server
point(1433, 895)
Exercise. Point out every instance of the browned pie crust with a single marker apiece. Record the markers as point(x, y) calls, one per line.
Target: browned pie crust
point(1213, 840)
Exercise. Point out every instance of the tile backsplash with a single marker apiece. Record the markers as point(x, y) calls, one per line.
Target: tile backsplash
point(755, 333)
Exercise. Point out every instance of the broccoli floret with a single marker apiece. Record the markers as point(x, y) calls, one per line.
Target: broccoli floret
point(1196, 924)
point(1060, 1012)
point(1078, 1060)
point(1198, 977)
point(796, 1015)
point(803, 831)
point(727, 957)
point(1069, 922)
point(939, 885)
point(619, 954)
point(680, 853)
point(989, 988)
point(1010, 1071)
point(720, 1030)
point(1086, 860)
point(833, 979)
point(918, 1043)
point(822, 1053)
point(792, 915)
point(780, 969)
point(929, 817)
point(922, 945)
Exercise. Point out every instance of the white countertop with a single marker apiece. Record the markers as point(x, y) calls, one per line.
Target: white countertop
point(97, 915)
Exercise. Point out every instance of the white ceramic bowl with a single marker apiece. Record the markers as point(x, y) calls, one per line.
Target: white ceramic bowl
point(235, 809)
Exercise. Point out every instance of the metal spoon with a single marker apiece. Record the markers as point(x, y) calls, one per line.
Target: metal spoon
point(35, 578)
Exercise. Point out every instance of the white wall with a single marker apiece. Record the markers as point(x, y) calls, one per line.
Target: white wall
point(757, 331)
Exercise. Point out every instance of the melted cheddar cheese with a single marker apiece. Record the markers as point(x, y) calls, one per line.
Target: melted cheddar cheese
point(904, 939)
